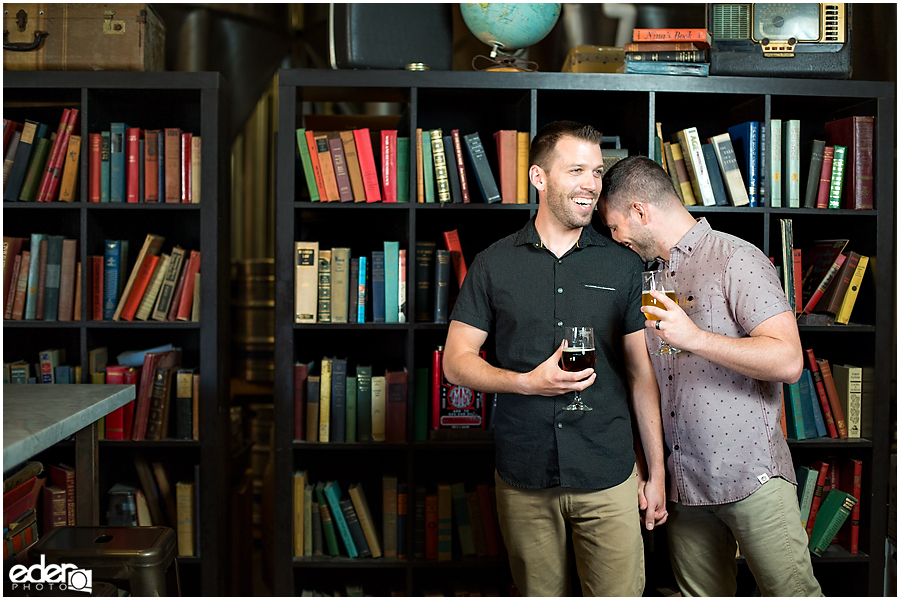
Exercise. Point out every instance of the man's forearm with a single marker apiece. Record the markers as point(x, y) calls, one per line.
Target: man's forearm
point(763, 358)
point(649, 424)
point(471, 371)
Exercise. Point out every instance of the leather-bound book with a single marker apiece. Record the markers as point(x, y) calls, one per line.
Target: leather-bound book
point(857, 134)
point(172, 162)
point(395, 406)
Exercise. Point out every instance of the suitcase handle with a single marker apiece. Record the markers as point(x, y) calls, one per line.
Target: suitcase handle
point(24, 46)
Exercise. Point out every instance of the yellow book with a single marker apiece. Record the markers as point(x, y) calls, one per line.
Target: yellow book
point(358, 497)
point(379, 396)
point(69, 180)
point(687, 191)
point(325, 400)
point(184, 510)
point(852, 292)
point(195, 169)
point(522, 148)
point(299, 486)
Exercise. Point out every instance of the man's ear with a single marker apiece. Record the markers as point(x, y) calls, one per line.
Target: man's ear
point(639, 209)
point(538, 178)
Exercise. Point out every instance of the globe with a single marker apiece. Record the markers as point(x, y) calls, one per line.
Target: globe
point(512, 26)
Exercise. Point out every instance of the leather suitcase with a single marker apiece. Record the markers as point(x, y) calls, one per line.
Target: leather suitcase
point(82, 37)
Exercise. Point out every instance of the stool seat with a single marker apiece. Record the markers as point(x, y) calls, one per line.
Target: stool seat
point(139, 555)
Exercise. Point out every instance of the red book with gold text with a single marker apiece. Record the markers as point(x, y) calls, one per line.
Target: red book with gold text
point(389, 164)
point(454, 406)
point(54, 153)
point(186, 168)
point(49, 195)
point(314, 159)
point(115, 421)
point(132, 168)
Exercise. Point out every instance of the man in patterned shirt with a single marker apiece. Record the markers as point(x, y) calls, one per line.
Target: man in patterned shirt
point(730, 473)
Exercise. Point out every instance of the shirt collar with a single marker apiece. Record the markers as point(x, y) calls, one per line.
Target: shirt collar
point(692, 239)
point(529, 235)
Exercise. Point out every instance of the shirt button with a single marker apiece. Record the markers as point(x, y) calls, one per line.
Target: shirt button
point(559, 323)
point(670, 378)
point(559, 290)
point(559, 261)
point(672, 413)
point(676, 446)
point(559, 425)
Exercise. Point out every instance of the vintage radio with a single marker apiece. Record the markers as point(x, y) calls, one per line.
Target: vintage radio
point(780, 40)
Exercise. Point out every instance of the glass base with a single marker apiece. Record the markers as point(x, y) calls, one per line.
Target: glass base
point(665, 349)
point(577, 404)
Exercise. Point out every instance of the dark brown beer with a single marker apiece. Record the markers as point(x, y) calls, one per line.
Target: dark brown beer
point(578, 359)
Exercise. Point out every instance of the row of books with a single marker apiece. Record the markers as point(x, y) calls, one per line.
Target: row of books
point(340, 166)
point(154, 502)
point(49, 368)
point(668, 52)
point(825, 278)
point(130, 164)
point(827, 401)
point(829, 494)
point(41, 278)
point(326, 523)
point(39, 164)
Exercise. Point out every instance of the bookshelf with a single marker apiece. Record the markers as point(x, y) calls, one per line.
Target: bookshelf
point(627, 106)
point(194, 102)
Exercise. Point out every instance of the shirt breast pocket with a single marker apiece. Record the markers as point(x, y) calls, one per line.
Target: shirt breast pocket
point(699, 308)
point(599, 301)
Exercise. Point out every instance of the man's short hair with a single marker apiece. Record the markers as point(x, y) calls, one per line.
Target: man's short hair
point(544, 143)
point(638, 178)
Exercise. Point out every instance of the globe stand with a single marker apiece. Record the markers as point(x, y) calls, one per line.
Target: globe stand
point(502, 61)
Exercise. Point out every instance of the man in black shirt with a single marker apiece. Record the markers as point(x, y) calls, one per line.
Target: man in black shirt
point(555, 466)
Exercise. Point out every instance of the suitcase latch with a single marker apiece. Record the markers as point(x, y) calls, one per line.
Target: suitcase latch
point(21, 20)
point(111, 27)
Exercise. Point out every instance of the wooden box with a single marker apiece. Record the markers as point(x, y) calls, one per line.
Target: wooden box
point(82, 37)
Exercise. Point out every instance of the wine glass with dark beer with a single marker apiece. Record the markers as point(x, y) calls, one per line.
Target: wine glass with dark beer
point(578, 354)
point(661, 281)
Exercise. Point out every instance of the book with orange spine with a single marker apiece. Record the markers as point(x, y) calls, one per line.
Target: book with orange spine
point(187, 294)
point(698, 37)
point(54, 152)
point(132, 166)
point(56, 165)
point(367, 164)
point(145, 274)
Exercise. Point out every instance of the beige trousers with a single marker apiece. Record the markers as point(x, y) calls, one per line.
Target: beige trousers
point(767, 526)
point(606, 535)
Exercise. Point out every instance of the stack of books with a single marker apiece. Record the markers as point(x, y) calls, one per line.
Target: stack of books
point(40, 165)
point(668, 52)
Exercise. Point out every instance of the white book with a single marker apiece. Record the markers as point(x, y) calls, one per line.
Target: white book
point(775, 163)
point(306, 281)
point(791, 150)
point(379, 398)
point(698, 164)
point(848, 382)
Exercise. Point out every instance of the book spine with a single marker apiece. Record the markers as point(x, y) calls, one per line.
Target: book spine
point(671, 35)
point(505, 141)
point(50, 193)
point(389, 164)
point(324, 287)
point(486, 182)
point(402, 512)
point(105, 141)
point(11, 293)
point(306, 266)
point(186, 190)
point(401, 286)
point(687, 191)
point(169, 283)
point(363, 140)
point(715, 175)
point(825, 177)
point(452, 170)
point(306, 160)
point(821, 393)
point(68, 189)
point(325, 400)
point(361, 290)
point(378, 286)
point(132, 156)
point(424, 294)
point(341, 175)
point(39, 158)
point(833, 398)
point(841, 284)
point(427, 168)
point(389, 515)
point(69, 278)
point(338, 415)
point(441, 176)
point(312, 147)
point(837, 177)
point(823, 285)
point(402, 169)
point(522, 150)
point(791, 141)
point(451, 240)
point(187, 296)
point(117, 162)
point(441, 286)
point(364, 403)
point(686, 56)
point(151, 165)
point(172, 163)
point(420, 169)
point(457, 150)
point(847, 304)
point(815, 168)
point(698, 162)
point(156, 279)
point(863, 161)
point(391, 281)
point(822, 468)
point(326, 162)
point(775, 157)
point(22, 157)
point(340, 284)
point(33, 274)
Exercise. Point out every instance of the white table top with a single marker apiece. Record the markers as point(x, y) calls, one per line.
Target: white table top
point(37, 416)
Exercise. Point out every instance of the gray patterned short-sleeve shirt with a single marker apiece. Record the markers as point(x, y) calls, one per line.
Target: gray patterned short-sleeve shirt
point(722, 428)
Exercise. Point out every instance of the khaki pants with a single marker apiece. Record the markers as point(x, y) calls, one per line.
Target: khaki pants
point(766, 525)
point(606, 534)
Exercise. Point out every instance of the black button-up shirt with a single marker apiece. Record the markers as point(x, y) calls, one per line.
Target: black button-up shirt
point(526, 295)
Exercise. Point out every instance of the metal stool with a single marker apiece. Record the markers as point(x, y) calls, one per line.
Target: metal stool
point(139, 555)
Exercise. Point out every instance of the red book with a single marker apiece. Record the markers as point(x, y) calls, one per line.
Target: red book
point(186, 168)
point(63, 477)
point(700, 37)
point(173, 164)
point(850, 481)
point(314, 159)
point(96, 287)
point(151, 165)
point(94, 167)
point(187, 294)
point(9, 127)
point(145, 274)
point(133, 376)
point(395, 406)
point(57, 164)
point(21, 287)
point(833, 398)
point(367, 164)
point(10, 296)
point(431, 527)
point(821, 394)
point(389, 164)
point(823, 285)
point(301, 373)
point(457, 149)
point(451, 240)
point(507, 151)
point(54, 152)
point(798, 283)
point(825, 178)
point(858, 135)
point(822, 468)
point(152, 362)
point(12, 247)
point(132, 167)
point(487, 518)
point(179, 288)
point(115, 421)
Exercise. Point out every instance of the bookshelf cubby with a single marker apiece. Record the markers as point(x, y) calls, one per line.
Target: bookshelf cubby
point(627, 106)
point(194, 102)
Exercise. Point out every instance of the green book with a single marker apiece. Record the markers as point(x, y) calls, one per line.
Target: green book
point(364, 403)
point(332, 493)
point(350, 405)
point(461, 516)
point(420, 406)
point(307, 165)
point(307, 519)
point(835, 509)
point(837, 177)
point(35, 171)
point(427, 167)
point(793, 411)
point(806, 486)
point(402, 169)
point(328, 531)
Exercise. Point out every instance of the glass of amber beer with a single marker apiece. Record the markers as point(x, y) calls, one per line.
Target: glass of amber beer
point(579, 354)
point(661, 281)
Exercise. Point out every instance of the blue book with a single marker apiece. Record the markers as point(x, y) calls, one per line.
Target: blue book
point(715, 175)
point(402, 169)
point(806, 406)
point(391, 282)
point(104, 166)
point(427, 167)
point(63, 374)
point(745, 139)
point(333, 495)
point(641, 67)
point(812, 400)
point(51, 288)
point(352, 392)
point(452, 170)
point(361, 292)
point(793, 411)
point(378, 286)
point(112, 269)
point(117, 162)
point(33, 268)
point(490, 193)
point(338, 419)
